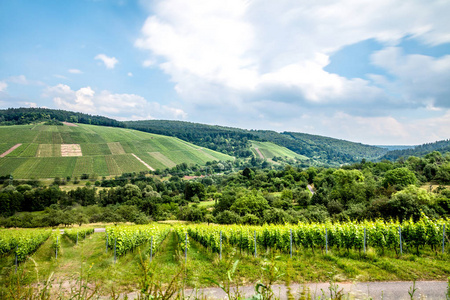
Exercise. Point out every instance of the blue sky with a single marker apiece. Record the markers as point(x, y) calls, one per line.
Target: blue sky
point(365, 71)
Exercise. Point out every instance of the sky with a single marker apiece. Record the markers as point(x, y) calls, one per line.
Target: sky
point(374, 72)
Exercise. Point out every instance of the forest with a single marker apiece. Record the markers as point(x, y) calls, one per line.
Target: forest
point(258, 193)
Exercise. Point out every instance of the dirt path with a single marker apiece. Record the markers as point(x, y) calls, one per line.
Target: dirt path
point(310, 189)
point(143, 162)
point(259, 152)
point(364, 290)
point(395, 290)
point(10, 150)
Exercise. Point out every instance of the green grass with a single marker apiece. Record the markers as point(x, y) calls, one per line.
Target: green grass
point(270, 150)
point(90, 257)
point(106, 151)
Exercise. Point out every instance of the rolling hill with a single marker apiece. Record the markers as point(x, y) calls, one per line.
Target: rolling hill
point(48, 151)
point(268, 150)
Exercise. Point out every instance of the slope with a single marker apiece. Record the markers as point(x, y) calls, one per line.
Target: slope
point(44, 151)
point(268, 150)
point(238, 142)
point(421, 150)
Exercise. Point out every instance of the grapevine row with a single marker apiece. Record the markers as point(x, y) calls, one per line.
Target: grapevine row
point(23, 241)
point(377, 234)
point(127, 238)
point(79, 233)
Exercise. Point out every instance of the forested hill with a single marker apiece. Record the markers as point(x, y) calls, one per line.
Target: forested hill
point(421, 150)
point(22, 116)
point(235, 141)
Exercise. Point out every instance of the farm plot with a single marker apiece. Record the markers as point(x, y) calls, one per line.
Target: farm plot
point(5, 147)
point(30, 151)
point(49, 150)
point(162, 159)
point(17, 134)
point(56, 138)
point(10, 150)
point(129, 164)
point(71, 150)
point(23, 170)
point(44, 137)
point(113, 168)
point(15, 152)
point(8, 165)
point(84, 165)
point(73, 137)
point(95, 149)
point(100, 166)
point(217, 155)
point(189, 156)
point(50, 167)
point(116, 148)
point(152, 161)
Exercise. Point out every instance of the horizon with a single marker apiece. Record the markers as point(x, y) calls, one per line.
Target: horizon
point(363, 72)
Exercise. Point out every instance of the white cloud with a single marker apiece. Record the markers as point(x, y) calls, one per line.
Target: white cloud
point(130, 74)
point(232, 58)
point(110, 62)
point(421, 80)
point(3, 86)
point(75, 71)
point(29, 104)
point(23, 80)
point(120, 106)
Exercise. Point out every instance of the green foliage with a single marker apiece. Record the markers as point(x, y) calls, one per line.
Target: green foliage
point(401, 177)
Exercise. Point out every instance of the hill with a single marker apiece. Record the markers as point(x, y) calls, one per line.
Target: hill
point(238, 142)
point(271, 152)
point(421, 150)
point(48, 151)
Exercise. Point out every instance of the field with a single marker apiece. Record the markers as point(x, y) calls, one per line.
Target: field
point(94, 257)
point(61, 151)
point(270, 150)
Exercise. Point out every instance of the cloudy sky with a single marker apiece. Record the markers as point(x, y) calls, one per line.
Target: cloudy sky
point(376, 72)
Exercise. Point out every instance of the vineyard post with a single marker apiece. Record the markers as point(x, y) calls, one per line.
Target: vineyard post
point(364, 240)
point(443, 238)
point(326, 241)
point(106, 249)
point(400, 236)
point(17, 248)
point(220, 254)
point(77, 239)
point(56, 250)
point(185, 249)
point(255, 241)
point(115, 243)
point(151, 250)
point(290, 244)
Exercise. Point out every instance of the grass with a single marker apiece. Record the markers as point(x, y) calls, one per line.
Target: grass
point(106, 151)
point(305, 266)
point(270, 150)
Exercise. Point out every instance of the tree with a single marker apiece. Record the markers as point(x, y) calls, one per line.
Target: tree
point(250, 203)
point(401, 177)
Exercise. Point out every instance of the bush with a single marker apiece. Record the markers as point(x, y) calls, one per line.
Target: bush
point(228, 217)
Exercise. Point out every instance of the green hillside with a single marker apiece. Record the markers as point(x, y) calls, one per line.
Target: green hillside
point(268, 150)
point(44, 151)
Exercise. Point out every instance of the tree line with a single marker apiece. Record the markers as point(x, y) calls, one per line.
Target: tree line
point(253, 195)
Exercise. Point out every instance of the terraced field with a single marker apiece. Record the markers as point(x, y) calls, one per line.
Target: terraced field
point(270, 150)
point(61, 151)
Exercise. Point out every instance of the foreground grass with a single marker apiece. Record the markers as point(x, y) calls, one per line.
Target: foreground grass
point(89, 261)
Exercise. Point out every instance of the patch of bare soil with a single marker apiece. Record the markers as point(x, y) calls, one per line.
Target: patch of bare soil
point(71, 150)
point(70, 124)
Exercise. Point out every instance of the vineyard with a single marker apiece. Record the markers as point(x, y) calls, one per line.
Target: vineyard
point(308, 252)
point(46, 151)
